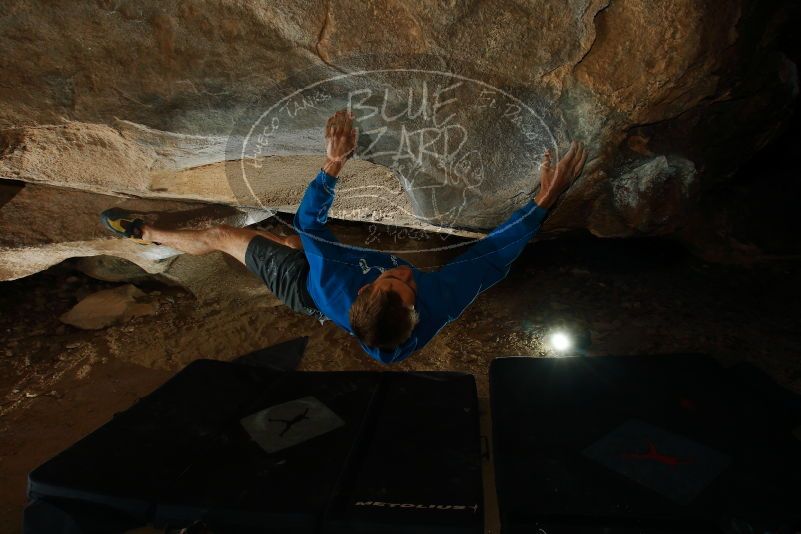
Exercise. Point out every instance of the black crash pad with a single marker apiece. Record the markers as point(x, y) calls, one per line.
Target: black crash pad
point(397, 453)
point(643, 444)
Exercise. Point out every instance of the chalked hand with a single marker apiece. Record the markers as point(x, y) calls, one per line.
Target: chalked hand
point(340, 136)
point(554, 180)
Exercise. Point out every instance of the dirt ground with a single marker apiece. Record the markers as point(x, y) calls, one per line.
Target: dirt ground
point(58, 383)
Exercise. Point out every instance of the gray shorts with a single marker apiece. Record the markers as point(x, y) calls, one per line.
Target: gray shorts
point(284, 270)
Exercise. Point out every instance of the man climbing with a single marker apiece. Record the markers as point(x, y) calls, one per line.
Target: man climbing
point(391, 307)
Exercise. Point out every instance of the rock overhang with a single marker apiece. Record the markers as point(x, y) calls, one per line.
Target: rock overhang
point(170, 115)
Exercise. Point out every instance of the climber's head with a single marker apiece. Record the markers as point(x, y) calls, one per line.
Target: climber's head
point(383, 314)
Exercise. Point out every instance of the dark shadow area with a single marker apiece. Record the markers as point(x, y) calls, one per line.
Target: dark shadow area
point(612, 256)
point(9, 189)
point(753, 215)
point(757, 211)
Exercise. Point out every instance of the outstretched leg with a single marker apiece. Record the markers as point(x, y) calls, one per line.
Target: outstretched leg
point(233, 241)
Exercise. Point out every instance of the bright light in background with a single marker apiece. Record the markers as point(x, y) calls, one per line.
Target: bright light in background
point(560, 341)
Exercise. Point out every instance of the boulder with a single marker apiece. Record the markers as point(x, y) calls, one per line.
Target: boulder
point(44, 225)
point(110, 269)
point(109, 306)
point(223, 102)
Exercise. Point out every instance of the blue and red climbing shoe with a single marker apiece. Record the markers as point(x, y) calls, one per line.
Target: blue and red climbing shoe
point(122, 223)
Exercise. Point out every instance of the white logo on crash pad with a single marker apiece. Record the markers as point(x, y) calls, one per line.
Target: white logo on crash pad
point(290, 423)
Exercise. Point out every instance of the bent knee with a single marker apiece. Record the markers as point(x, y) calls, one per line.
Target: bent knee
point(231, 240)
point(216, 236)
point(225, 238)
point(293, 241)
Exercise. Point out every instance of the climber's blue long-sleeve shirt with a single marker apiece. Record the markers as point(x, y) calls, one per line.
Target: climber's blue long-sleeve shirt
point(337, 270)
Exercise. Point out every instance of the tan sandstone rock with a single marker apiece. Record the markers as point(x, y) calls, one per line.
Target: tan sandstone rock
point(108, 307)
point(159, 100)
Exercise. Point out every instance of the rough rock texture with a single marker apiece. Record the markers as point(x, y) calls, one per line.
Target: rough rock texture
point(42, 226)
point(109, 306)
point(222, 102)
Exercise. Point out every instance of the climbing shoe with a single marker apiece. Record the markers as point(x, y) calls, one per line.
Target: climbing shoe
point(122, 224)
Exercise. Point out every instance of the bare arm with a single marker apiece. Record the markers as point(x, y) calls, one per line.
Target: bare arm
point(312, 214)
point(487, 262)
